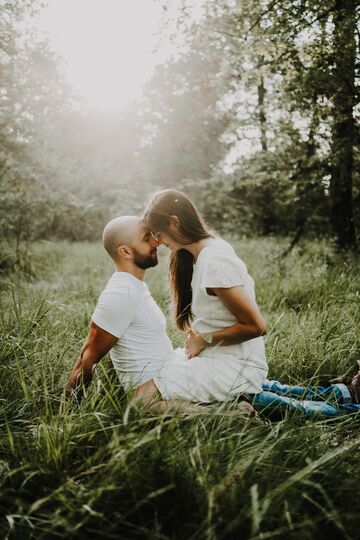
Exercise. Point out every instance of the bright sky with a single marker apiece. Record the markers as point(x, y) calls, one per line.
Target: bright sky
point(108, 46)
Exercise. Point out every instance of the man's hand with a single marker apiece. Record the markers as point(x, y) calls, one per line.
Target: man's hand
point(98, 343)
point(194, 344)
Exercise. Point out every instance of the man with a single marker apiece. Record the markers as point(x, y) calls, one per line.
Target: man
point(128, 323)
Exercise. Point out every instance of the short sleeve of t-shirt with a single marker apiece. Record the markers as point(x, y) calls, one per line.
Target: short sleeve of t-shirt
point(116, 309)
point(222, 272)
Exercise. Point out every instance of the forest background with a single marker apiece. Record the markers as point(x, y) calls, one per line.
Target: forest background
point(255, 115)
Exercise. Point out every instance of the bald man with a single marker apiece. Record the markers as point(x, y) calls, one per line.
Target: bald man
point(126, 321)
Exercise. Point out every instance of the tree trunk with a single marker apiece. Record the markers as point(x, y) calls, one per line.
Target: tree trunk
point(262, 116)
point(268, 217)
point(341, 202)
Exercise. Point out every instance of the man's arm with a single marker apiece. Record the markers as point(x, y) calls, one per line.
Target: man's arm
point(97, 344)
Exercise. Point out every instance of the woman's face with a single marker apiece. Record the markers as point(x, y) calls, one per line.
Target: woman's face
point(167, 240)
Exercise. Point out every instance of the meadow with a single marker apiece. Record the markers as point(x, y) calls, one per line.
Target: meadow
point(103, 470)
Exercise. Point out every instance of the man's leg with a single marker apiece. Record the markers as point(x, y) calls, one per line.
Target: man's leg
point(148, 396)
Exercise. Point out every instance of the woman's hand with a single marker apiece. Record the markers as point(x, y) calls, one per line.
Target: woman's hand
point(194, 344)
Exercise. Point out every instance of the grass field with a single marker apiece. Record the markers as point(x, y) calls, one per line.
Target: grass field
point(104, 471)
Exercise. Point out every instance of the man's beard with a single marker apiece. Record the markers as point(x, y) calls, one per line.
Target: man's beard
point(144, 261)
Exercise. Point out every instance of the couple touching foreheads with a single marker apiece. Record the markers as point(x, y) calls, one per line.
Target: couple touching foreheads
point(214, 304)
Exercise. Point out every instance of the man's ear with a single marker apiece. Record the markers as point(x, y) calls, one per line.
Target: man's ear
point(124, 252)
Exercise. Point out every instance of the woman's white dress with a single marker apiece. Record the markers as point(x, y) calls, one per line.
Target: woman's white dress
point(220, 372)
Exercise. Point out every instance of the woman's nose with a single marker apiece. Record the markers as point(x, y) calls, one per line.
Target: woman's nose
point(156, 237)
point(155, 241)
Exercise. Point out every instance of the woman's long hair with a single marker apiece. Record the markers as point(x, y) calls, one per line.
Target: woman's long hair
point(162, 206)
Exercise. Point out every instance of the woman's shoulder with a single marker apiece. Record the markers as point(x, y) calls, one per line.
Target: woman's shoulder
point(219, 254)
point(218, 266)
point(218, 248)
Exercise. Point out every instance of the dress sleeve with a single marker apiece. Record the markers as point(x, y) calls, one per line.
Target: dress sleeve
point(115, 310)
point(222, 272)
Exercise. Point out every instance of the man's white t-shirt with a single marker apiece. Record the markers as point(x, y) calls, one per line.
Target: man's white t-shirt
point(127, 310)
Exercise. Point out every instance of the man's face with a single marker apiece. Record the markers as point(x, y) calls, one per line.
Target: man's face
point(144, 249)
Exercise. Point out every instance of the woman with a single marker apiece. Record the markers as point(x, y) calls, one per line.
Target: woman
point(214, 303)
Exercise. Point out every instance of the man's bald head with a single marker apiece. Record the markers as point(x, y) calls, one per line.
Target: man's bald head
point(120, 231)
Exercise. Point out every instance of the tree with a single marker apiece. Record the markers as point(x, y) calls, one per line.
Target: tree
point(293, 67)
point(30, 88)
point(181, 118)
point(343, 131)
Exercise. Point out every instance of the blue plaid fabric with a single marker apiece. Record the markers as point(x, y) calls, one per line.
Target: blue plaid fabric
point(333, 400)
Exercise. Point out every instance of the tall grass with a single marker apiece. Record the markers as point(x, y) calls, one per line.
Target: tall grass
point(104, 471)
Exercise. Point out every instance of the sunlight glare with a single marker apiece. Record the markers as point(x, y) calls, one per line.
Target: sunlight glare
point(107, 46)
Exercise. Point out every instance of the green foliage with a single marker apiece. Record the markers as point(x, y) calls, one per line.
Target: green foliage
point(103, 471)
point(289, 86)
point(255, 115)
point(182, 120)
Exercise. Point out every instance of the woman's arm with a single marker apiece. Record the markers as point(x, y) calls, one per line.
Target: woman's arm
point(249, 326)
